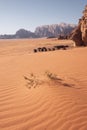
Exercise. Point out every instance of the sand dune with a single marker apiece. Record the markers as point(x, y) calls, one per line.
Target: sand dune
point(32, 100)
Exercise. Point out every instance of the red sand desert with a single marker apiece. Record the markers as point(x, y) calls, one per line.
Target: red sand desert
point(44, 90)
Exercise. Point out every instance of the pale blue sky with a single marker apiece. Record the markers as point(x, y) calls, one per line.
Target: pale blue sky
point(28, 14)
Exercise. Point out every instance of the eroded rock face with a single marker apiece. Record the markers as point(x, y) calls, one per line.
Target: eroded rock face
point(84, 31)
point(79, 35)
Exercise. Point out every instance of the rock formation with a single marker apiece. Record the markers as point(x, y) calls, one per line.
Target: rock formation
point(54, 30)
point(22, 33)
point(79, 35)
point(49, 31)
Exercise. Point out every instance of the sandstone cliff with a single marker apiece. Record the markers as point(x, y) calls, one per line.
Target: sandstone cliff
point(54, 30)
point(79, 35)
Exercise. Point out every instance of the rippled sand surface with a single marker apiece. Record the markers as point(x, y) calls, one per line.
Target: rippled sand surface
point(44, 90)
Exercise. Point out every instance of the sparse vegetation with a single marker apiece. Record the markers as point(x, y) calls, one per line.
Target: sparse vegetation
point(53, 79)
point(52, 76)
point(32, 80)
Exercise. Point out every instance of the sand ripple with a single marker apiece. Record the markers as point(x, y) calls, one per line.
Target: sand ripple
point(49, 105)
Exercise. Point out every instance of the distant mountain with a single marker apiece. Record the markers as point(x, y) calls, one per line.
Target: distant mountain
point(53, 30)
point(22, 33)
point(6, 36)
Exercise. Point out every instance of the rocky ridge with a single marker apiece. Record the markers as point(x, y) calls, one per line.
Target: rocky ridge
point(79, 35)
point(53, 30)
